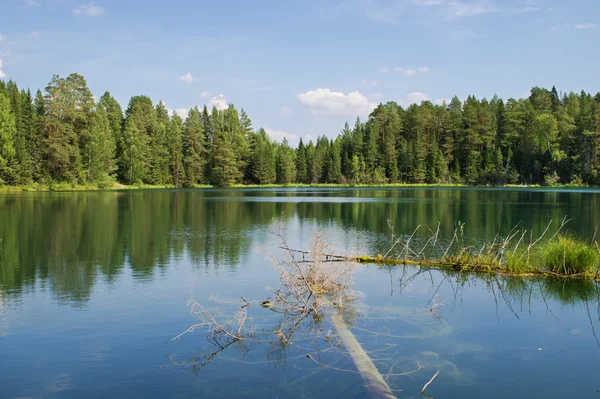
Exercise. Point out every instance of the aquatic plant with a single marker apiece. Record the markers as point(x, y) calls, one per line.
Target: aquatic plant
point(569, 256)
point(560, 254)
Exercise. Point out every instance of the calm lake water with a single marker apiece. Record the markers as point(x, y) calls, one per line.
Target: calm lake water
point(94, 285)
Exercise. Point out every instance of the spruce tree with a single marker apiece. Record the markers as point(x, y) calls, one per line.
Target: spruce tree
point(7, 134)
point(194, 148)
point(286, 163)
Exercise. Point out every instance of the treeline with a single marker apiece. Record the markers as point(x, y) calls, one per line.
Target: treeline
point(65, 135)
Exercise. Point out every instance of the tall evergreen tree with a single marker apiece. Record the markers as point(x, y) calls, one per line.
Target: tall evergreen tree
point(224, 166)
point(175, 142)
point(7, 134)
point(194, 148)
point(286, 163)
point(99, 155)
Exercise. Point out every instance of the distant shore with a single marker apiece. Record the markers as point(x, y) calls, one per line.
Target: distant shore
point(118, 186)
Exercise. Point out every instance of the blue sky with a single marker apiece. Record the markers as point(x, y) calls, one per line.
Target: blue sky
point(303, 68)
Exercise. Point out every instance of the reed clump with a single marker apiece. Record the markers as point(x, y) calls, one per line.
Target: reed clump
point(570, 256)
point(560, 255)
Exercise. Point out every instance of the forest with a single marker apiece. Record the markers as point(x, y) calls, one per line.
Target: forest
point(63, 135)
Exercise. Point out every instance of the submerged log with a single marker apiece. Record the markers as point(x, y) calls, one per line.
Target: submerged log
point(376, 386)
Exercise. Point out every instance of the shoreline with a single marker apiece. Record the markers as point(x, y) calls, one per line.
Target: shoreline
point(65, 187)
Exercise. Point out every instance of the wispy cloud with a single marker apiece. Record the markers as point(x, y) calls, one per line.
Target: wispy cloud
point(578, 26)
point(205, 94)
point(279, 135)
point(412, 71)
point(187, 78)
point(324, 101)
point(383, 70)
point(462, 9)
point(89, 9)
point(395, 11)
point(2, 74)
point(32, 3)
point(585, 26)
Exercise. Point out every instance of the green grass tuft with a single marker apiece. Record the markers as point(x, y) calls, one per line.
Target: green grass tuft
point(565, 255)
point(518, 262)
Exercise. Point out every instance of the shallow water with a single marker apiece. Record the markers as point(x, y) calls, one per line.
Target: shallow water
point(93, 285)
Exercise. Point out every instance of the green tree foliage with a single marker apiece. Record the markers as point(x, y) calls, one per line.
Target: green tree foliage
point(139, 127)
point(286, 163)
point(62, 135)
point(99, 155)
point(194, 148)
point(224, 165)
point(263, 159)
point(175, 143)
point(7, 134)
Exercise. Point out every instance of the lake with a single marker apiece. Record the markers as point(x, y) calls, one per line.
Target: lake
point(93, 286)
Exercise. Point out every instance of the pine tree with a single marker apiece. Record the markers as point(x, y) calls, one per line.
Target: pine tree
point(286, 163)
point(333, 164)
point(301, 163)
point(263, 159)
point(194, 150)
point(175, 141)
point(223, 167)
point(139, 126)
point(114, 113)
point(7, 134)
point(99, 156)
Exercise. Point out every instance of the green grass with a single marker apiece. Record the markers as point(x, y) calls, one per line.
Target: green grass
point(518, 262)
point(566, 255)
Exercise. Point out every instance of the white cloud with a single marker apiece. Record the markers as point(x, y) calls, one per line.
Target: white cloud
point(218, 101)
point(32, 3)
point(585, 26)
point(399, 10)
point(279, 135)
point(530, 9)
point(187, 78)
point(205, 94)
point(286, 111)
point(405, 71)
point(376, 95)
point(382, 70)
point(89, 9)
point(412, 71)
point(2, 74)
point(578, 26)
point(413, 98)
point(182, 112)
point(460, 9)
point(325, 101)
